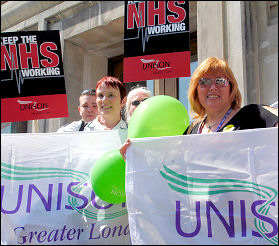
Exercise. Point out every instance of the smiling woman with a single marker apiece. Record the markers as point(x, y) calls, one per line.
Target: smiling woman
point(110, 99)
point(216, 102)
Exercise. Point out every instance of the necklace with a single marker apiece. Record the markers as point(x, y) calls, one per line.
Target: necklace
point(218, 127)
point(211, 125)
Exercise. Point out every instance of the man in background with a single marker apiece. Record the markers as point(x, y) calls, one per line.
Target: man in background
point(88, 111)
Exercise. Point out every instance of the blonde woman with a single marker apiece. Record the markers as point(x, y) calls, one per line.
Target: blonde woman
point(216, 102)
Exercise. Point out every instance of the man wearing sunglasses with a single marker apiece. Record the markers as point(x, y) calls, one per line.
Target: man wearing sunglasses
point(88, 111)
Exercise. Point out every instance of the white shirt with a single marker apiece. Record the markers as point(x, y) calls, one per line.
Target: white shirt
point(72, 127)
point(96, 125)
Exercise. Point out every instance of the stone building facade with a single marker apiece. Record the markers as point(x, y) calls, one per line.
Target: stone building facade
point(245, 33)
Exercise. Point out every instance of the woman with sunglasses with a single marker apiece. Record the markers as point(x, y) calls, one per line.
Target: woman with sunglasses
point(216, 102)
point(110, 99)
point(134, 98)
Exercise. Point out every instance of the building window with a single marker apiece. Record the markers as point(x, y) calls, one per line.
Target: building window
point(183, 86)
point(115, 69)
point(183, 82)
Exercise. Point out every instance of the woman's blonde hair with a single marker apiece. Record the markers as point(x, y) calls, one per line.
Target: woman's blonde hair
point(212, 65)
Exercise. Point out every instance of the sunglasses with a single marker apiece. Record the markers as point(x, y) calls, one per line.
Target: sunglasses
point(137, 102)
point(89, 91)
point(219, 82)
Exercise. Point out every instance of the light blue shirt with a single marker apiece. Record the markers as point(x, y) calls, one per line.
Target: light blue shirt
point(72, 127)
point(96, 125)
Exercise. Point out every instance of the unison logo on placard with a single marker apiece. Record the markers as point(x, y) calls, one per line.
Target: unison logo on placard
point(32, 105)
point(154, 64)
point(266, 227)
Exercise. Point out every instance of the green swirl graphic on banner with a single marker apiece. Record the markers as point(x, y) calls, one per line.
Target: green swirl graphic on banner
point(195, 186)
point(11, 172)
point(72, 201)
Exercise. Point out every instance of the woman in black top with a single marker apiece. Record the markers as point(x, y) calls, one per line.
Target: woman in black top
point(216, 102)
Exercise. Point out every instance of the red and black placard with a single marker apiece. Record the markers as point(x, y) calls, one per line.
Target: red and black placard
point(32, 76)
point(156, 40)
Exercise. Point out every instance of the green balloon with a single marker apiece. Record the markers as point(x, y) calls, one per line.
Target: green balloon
point(108, 177)
point(158, 116)
point(155, 117)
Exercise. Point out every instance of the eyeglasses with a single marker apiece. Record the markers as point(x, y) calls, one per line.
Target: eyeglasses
point(89, 91)
point(137, 102)
point(219, 82)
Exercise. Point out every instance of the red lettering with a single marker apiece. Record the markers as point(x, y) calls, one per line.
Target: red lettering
point(25, 55)
point(48, 54)
point(134, 14)
point(10, 58)
point(177, 10)
point(160, 11)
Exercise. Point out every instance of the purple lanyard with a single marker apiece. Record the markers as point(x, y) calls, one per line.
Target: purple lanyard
point(225, 117)
point(221, 123)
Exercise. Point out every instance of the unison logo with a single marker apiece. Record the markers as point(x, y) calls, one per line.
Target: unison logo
point(266, 227)
point(52, 196)
point(154, 64)
point(31, 105)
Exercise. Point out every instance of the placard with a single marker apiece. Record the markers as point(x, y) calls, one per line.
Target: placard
point(32, 76)
point(156, 40)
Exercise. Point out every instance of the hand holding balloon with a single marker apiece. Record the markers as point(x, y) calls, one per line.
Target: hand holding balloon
point(123, 148)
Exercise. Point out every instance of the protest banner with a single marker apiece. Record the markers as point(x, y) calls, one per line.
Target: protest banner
point(156, 40)
point(32, 76)
point(46, 194)
point(204, 189)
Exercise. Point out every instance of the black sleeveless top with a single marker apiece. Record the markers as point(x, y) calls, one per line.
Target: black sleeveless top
point(249, 117)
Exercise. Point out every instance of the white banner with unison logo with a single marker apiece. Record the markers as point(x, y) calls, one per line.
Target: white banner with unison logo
point(46, 194)
point(204, 189)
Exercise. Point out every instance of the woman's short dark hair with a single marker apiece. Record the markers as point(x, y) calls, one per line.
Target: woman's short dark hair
point(113, 82)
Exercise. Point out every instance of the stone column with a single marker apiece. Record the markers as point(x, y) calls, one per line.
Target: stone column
point(220, 34)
